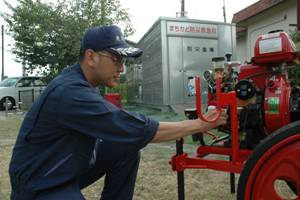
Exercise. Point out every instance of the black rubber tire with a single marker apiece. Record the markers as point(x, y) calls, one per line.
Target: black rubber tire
point(276, 137)
point(12, 105)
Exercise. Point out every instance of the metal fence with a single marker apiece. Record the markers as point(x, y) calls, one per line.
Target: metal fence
point(27, 97)
point(23, 103)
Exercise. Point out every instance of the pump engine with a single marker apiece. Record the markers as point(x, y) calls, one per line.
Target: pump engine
point(262, 136)
point(266, 99)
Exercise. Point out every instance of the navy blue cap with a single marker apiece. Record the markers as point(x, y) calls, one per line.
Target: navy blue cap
point(109, 38)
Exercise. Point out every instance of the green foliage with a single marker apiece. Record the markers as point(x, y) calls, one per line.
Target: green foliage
point(47, 36)
point(296, 38)
point(294, 73)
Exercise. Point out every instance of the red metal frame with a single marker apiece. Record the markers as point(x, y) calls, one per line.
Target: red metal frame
point(235, 165)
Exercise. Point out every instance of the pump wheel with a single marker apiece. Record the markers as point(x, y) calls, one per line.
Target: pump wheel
point(273, 170)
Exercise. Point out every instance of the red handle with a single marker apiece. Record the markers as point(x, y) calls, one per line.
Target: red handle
point(198, 100)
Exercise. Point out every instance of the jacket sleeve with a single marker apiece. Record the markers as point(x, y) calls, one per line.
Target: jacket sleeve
point(83, 110)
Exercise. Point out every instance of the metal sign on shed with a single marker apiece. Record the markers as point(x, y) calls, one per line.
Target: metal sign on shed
point(192, 29)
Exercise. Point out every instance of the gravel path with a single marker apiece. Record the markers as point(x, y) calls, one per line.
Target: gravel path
point(6, 142)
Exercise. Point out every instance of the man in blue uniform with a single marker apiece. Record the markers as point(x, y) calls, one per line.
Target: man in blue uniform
point(71, 136)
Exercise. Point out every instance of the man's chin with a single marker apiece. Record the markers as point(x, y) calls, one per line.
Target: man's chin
point(112, 85)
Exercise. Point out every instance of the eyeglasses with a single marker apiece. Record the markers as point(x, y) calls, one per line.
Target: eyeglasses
point(117, 60)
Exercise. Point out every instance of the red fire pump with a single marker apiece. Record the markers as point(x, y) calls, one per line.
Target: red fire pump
point(262, 136)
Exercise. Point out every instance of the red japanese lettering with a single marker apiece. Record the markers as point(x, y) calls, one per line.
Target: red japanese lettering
point(192, 29)
point(182, 29)
point(187, 29)
point(214, 30)
point(208, 30)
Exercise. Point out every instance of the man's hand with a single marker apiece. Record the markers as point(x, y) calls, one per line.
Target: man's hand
point(210, 115)
point(173, 130)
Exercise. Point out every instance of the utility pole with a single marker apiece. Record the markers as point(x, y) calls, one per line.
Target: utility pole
point(224, 11)
point(2, 72)
point(182, 8)
point(182, 12)
point(298, 15)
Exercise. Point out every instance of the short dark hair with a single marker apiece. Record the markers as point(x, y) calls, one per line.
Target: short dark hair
point(81, 56)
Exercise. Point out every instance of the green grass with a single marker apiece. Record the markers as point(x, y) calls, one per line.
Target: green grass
point(154, 113)
point(9, 126)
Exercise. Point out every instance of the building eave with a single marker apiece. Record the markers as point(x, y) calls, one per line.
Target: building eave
point(254, 9)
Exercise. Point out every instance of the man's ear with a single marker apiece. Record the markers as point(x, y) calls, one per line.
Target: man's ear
point(90, 57)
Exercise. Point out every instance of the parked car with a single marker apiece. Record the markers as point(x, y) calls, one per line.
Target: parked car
point(12, 88)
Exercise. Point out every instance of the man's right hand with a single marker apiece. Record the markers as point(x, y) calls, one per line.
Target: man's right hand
point(210, 115)
point(173, 130)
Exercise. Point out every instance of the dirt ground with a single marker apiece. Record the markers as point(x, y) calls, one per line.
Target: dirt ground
point(155, 181)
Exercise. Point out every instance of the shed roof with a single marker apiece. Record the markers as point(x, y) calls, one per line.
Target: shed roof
point(254, 9)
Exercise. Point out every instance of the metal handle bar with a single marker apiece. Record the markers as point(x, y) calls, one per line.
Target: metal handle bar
point(198, 99)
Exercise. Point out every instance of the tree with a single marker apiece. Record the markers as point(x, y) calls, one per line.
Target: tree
point(47, 36)
point(296, 38)
point(294, 73)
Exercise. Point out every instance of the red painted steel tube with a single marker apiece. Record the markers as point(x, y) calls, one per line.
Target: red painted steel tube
point(183, 161)
point(223, 99)
point(206, 150)
point(198, 100)
point(234, 126)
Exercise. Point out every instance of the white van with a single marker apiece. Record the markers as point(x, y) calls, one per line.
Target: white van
point(13, 87)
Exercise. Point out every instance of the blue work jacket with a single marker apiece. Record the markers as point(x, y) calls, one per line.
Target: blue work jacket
point(57, 139)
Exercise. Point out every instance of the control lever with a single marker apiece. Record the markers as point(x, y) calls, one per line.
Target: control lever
point(198, 99)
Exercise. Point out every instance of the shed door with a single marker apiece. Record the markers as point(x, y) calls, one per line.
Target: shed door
point(188, 57)
point(175, 70)
point(197, 55)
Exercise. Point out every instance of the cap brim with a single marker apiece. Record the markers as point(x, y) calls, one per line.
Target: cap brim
point(126, 51)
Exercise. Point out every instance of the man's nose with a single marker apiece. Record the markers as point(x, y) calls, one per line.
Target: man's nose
point(121, 68)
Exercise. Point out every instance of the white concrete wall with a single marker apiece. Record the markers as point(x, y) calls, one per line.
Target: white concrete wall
point(280, 17)
point(241, 53)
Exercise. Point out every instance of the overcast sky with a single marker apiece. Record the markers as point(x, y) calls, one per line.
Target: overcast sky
point(143, 14)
